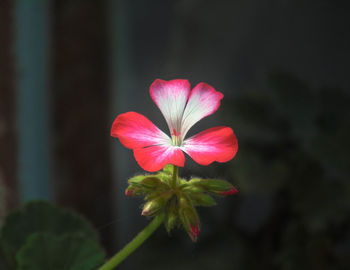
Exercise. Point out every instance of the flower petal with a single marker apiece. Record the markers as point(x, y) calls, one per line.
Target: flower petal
point(204, 100)
point(171, 97)
point(135, 130)
point(214, 144)
point(154, 158)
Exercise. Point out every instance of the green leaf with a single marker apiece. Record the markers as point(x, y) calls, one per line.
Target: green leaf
point(40, 216)
point(46, 251)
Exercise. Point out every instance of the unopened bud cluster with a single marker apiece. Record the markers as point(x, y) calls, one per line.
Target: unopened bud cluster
point(177, 198)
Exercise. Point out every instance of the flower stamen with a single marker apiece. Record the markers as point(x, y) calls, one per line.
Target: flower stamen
point(176, 138)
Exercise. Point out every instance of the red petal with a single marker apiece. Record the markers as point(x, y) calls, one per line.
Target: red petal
point(154, 158)
point(214, 144)
point(135, 130)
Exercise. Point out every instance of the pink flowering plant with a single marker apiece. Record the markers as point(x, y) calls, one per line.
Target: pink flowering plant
point(170, 199)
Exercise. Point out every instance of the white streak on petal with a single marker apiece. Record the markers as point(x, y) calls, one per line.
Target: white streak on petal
point(171, 97)
point(203, 101)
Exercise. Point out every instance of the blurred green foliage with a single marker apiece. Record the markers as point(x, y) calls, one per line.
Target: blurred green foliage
point(294, 153)
point(43, 236)
point(69, 252)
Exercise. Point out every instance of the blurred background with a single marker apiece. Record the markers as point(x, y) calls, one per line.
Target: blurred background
point(69, 67)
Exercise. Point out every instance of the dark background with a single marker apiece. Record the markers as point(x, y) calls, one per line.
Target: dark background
point(283, 68)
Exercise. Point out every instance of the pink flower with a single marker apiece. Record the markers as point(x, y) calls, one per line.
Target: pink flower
point(181, 108)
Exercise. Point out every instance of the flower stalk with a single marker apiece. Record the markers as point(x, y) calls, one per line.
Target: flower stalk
point(134, 244)
point(175, 177)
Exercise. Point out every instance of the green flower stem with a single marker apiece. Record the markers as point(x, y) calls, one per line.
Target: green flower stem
point(175, 177)
point(134, 244)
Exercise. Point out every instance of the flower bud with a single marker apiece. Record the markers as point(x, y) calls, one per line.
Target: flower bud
point(130, 191)
point(150, 182)
point(190, 222)
point(192, 189)
point(232, 191)
point(153, 206)
point(194, 232)
point(136, 179)
point(171, 215)
point(218, 187)
point(150, 208)
point(189, 218)
point(201, 199)
point(134, 191)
